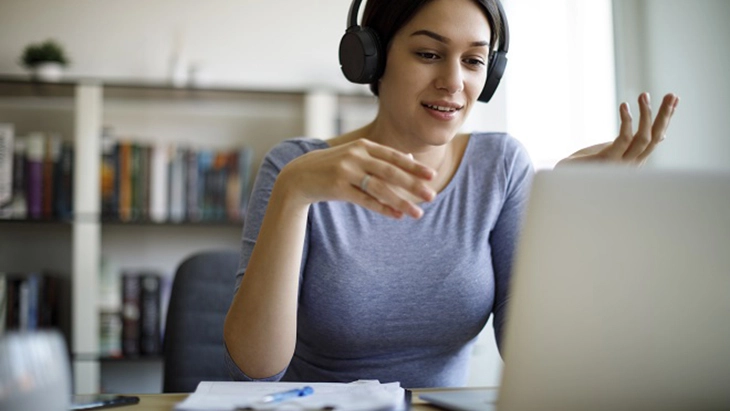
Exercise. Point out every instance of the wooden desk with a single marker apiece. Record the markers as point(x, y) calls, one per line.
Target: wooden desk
point(166, 402)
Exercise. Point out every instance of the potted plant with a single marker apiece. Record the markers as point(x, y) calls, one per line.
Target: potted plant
point(46, 60)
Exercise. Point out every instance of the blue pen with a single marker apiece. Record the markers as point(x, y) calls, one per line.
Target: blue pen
point(285, 395)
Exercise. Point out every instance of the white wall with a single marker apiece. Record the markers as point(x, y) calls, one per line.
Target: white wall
point(682, 47)
point(267, 44)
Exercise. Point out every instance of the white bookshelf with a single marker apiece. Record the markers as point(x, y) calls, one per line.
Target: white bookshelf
point(143, 112)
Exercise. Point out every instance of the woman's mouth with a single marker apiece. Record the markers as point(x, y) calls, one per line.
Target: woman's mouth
point(442, 111)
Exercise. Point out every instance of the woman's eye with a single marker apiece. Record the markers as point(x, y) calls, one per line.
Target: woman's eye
point(474, 62)
point(427, 56)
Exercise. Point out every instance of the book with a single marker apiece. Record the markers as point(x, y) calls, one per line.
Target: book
point(191, 183)
point(143, 188)
point(125, 181)
point(219, 181)
point(159, 183)
point(18, 208)
point(131, 294)
point(149, 338)
point(64, 182)
point(7, 133)
point(177, 183)
point(3, 302)
point(205, 186)
point(50, 160)
point(34, 174)
point(136, 186)
point(109, 177)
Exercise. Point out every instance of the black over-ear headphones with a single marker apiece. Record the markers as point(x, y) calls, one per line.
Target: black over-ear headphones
point(362, 59)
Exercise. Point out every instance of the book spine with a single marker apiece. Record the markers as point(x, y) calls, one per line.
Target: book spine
point(7, 133)
point(52, 155)
point(192, 206)
point(3, 302)
point(125, 181)
point(150, 314)
point(64, 197)
point(130, 315)
point(33, 282)
point(159, 184)
point(145, 181)
point(13, 303)
point(19, 206)
point(34, 174)
point(23, 305)
point(220, 178)
point(108, 177)
point(177, 185)
point(205, 185)
point(49, 302)
point(136, 184)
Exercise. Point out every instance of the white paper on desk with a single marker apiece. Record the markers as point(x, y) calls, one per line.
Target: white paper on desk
point(364, 395)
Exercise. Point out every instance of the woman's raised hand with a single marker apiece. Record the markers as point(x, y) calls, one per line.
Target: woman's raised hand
point(630, 147)
point(363, 172)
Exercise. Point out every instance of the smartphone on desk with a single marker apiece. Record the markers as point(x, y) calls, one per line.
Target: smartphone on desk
point(100, 401)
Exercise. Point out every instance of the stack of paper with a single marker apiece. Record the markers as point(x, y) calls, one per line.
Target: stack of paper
point(364, 395)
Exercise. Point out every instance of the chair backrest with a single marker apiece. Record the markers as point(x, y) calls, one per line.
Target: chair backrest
point(201, 293)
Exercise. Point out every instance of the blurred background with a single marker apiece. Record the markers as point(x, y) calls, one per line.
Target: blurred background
point(229, 75)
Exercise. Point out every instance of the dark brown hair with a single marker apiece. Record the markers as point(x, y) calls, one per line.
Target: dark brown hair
point(386, 17)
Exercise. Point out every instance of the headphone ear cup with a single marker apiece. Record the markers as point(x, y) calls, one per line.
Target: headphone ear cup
point(497, 65)
point(360, 55)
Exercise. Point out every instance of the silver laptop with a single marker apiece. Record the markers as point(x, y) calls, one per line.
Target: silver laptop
point(620, 295)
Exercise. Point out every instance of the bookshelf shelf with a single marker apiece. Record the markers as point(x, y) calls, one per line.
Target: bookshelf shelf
point(37, 222)
point(148, 113)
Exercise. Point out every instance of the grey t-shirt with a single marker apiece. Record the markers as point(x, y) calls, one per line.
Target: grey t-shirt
point(401, 300)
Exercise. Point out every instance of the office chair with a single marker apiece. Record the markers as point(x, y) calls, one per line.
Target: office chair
point(201, 293)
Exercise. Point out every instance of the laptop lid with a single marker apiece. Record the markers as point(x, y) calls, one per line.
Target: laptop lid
point(620, 297)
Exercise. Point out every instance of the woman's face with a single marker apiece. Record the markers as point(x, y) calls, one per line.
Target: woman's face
point(436, 68)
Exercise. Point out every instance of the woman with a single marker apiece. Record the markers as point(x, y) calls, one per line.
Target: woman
point(381, 253)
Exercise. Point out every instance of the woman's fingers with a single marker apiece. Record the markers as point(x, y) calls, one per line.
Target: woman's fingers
point(619, 146)
point(401, 160)
point(384, 194)
point(363, 199)
point(661, 124)
point(642, 139)
point(394, 169)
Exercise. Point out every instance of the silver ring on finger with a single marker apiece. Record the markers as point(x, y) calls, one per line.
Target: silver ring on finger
point(364, 183)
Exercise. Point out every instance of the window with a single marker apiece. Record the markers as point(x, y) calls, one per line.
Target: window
point(560, 87)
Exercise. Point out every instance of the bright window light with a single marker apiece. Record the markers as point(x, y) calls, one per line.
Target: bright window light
point(560, 82)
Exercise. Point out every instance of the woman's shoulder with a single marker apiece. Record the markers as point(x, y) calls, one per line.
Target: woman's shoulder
point(496, 143)
point(498, 146)
point(291, 148)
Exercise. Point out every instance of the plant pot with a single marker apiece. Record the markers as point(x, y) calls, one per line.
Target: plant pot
point(48, 72)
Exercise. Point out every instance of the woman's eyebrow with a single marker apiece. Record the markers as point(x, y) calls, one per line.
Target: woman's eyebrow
point(446, 40)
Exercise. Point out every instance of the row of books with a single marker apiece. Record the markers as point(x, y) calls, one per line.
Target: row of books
point(36, 175)
point(30, 301)
point(165, 182)
point(139, 182)
point(134, 329)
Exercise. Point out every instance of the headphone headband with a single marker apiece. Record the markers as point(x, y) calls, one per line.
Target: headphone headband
point(362, 59)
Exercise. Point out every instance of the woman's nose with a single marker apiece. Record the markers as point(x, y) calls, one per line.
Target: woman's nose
point(451, 77)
